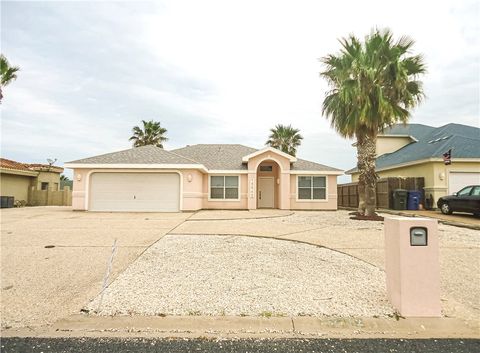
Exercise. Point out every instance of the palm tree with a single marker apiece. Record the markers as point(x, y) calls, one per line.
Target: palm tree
point(64, 178)
point(8, 73)
point(151, 134)
point(374, 85)
point(285, 138)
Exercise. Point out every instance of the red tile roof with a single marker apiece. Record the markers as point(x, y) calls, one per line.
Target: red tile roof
point(9, 164)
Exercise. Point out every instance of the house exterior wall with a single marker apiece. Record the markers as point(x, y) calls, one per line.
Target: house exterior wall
point(329, 204)
point(283, 192)
point(195, 186)
point(15, 185)
point(436, 175)
point(52, 178)
point(241, 204)
point(193, 193)
point(390, 144)
point(194, 189)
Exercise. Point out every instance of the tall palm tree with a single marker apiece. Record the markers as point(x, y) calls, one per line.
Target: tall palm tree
point(8, 73)
point(151, 134)
point(374, 84)
point(285, 138)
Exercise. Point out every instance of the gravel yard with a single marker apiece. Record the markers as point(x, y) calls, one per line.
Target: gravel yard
point(231, 275)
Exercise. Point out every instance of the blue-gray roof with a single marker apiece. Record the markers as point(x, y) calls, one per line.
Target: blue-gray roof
point(433, 142)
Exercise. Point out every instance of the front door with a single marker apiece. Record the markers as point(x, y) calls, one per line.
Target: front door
point(266, 192)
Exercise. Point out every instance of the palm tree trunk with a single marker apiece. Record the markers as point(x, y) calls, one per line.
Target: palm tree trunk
point(361, 176)
point(370, 175)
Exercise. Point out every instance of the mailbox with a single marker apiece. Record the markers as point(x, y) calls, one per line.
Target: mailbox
point(412, 266)
point(418, 236)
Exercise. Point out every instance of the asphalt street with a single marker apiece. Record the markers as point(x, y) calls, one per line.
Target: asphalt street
point(140, 345)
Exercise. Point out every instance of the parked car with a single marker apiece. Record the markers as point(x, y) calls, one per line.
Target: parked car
point(466, 200)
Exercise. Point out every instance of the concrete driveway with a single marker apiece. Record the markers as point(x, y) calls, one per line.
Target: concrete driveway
point(41, 285)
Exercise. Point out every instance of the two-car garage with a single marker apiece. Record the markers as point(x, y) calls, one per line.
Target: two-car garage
point(134, 192)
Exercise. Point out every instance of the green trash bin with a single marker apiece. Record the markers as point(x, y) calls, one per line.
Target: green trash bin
point(400, 199)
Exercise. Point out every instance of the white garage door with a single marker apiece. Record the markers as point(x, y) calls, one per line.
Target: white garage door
point(457, 181)
point(149, 192)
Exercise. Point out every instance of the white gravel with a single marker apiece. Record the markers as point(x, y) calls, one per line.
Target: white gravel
point(233, 275)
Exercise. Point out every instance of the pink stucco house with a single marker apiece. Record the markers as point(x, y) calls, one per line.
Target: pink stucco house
point(227, 176)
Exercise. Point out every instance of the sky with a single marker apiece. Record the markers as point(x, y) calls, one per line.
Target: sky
point(211, 71)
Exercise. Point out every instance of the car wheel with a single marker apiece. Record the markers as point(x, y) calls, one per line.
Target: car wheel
point(445, 208)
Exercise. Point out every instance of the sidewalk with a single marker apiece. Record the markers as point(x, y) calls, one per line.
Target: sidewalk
point(456, 219)
point(254, 327)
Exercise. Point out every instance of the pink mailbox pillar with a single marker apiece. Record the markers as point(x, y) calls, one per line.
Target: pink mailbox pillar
point(412, 266)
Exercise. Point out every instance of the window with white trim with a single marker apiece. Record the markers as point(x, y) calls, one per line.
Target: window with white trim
point(312, 187)
point(224, 187)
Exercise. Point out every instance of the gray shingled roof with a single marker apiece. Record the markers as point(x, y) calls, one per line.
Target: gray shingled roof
point(229, 157)
point(432, 143)
point(302, 164)
point(219, 157)
point(212, 156)
point(138, 155)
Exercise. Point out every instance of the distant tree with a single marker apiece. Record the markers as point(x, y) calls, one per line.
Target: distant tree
point(64, 178)
point(151, 134)
point(8, 73)
point(285, 138)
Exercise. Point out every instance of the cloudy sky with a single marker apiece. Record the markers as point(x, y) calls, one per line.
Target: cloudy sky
point(211, 71)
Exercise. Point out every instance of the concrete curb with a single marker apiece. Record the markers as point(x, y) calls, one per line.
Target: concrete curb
point(257, 327)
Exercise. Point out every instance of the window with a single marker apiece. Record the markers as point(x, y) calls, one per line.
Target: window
point(312, 188)
point(224, 187)
point(44, 186)
point(476, 191)
point(465, 191)
point(266, 168)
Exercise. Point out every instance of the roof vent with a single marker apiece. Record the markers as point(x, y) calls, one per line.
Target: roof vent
point(439, 139)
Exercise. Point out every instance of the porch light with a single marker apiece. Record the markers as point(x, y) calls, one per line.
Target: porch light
point(441, 176)
point(79, 177)
point(189, 178)
point(278, 181)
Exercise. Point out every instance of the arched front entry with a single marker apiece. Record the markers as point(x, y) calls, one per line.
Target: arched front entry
point(268, 180)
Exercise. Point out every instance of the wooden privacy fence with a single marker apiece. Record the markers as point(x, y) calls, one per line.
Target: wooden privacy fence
point(50, 197)
point(348, 193)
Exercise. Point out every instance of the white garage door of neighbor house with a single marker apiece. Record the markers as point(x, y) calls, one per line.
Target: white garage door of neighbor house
point(137, 192)
point(457, 181)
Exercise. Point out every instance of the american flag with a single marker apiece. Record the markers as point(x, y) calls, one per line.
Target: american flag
point(447, 157)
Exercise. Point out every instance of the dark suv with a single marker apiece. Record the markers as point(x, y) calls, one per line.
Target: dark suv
point(466, 200)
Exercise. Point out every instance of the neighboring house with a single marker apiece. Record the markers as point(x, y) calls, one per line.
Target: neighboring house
point(416, 150)
point(197, 177)
point(17, 179)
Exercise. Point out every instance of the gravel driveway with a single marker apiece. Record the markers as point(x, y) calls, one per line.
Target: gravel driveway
point(228, 275)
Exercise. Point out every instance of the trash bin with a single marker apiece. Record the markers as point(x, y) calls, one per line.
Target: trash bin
point(413, 200)
point(400, 199)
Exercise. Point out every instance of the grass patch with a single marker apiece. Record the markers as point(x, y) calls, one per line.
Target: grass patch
point(271, 314)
